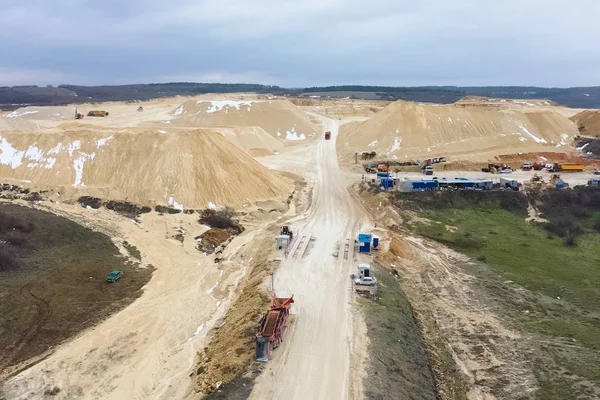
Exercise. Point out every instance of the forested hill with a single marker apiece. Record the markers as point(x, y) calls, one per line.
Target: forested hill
point(14, 97)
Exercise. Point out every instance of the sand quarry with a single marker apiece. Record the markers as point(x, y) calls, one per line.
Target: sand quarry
point(266, 158)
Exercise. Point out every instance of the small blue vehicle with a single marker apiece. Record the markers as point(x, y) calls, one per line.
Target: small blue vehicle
point(114, 276)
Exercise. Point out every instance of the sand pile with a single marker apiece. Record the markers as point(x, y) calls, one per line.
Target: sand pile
point(42, 113)
point(473, 132)
point(588, 122)
point(280, 118)
point(190, 168)
point(253, 140)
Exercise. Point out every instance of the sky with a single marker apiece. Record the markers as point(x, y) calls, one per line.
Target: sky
point(301, 43)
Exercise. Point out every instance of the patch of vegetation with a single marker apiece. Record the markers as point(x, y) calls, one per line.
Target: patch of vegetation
point(221, 219)
point(132, 250)
point(166, 210)
point(398, 360)
point(59, 285)
point(229, 356)
point(561, 305)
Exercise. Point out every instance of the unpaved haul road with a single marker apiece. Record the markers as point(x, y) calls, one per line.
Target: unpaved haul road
point(314, 360)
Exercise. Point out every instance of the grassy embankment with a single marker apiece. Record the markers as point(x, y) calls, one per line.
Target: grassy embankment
point(53, 281)
point(557, 262)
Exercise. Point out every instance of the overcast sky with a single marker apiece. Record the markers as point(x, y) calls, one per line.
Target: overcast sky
point(302, 42)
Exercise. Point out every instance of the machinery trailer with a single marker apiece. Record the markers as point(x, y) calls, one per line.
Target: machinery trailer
point(271, 328)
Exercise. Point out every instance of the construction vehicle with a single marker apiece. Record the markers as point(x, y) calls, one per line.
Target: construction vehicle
point(427, 170)
point(537, 179)
point(96, 113)
point(538, 166)
point(382, 168)
point(114, 276)
point(328, 135)
point(557, 167)
point(527, 166)
point(509, 183)
point(271, 328)
point(285, 230)
point(371, 169)
point(140, 109)
point(78, 115)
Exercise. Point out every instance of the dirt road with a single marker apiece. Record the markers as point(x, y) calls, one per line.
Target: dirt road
point(315, 360)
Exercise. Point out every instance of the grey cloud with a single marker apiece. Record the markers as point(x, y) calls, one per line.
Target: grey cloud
point(293, 43)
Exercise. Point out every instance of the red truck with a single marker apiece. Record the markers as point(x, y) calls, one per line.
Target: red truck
point(328, 135)
point(271, 328)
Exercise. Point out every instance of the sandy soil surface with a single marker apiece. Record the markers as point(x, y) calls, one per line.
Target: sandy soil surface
point(148, 349)
point(315, 359)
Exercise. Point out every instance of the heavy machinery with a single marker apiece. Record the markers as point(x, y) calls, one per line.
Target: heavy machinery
point(328, 135)
point(271, 328)
point(527, 166)
point(538, 166)
point(557, 167)
point(427, 169)
point(382, 168)
point(140, 109)
point(365, 283)
point(96, 113)
point(285, 230)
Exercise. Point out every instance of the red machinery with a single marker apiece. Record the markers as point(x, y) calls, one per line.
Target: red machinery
point(270, 328)
point(327, 135)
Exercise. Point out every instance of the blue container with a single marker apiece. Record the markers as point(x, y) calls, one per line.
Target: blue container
point(387, 183)
point(375, 242)
point(364, 238)
point(383, 174)
point(364, 248)
point(560, 185)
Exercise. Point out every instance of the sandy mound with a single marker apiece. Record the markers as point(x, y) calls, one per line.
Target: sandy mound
point(280, 118)
point(588, 122)
point(182, 168)
point(42, 113)
point(410, 130)
point(253, 140)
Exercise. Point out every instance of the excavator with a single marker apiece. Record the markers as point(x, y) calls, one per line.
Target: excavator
point(285, 230)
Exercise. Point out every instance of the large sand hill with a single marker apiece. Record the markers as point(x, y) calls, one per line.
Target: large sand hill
point(588, 122)
point(463, 131)
point(184, 168)
point(279, 118)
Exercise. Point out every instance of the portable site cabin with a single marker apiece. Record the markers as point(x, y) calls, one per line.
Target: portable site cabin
point(464, 183)
point(387, 183)
point(283, 241)
point(364, 242)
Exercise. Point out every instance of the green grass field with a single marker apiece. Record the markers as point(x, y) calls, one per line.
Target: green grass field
point(560, 309)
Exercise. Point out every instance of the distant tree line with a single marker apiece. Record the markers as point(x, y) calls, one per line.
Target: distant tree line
point(17, 96)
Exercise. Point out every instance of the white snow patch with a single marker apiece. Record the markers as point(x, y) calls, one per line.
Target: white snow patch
point(522, 139)
point(537, 139)
point(564, 139)
point(166, 122)
point(15, 113)
point(449, 119)
point(583, 147)
point(278, 133)
point(586, 94)
point(9, 155)
point(373, 143)
point(205, 226)
point(175, 204)
point(179, 111)
point(396, 144)
point(292, 135)
point(103, 141)
point(71, 147)
point(211, 205)
point(544, 158)
point(161, 131)
point(218, 105)
point(429, 149)
point(78, 164)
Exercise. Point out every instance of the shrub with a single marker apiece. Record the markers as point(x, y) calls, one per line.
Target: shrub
point(597, 224)
point(222, 219)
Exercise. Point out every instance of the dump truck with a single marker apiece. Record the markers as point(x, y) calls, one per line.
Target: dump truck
point(96, 113)
point(370, 168)
point(382, 168)
point(556, 167)
point(327, 135)
point(427, 170)
point(538, 166)
point(271, 328)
